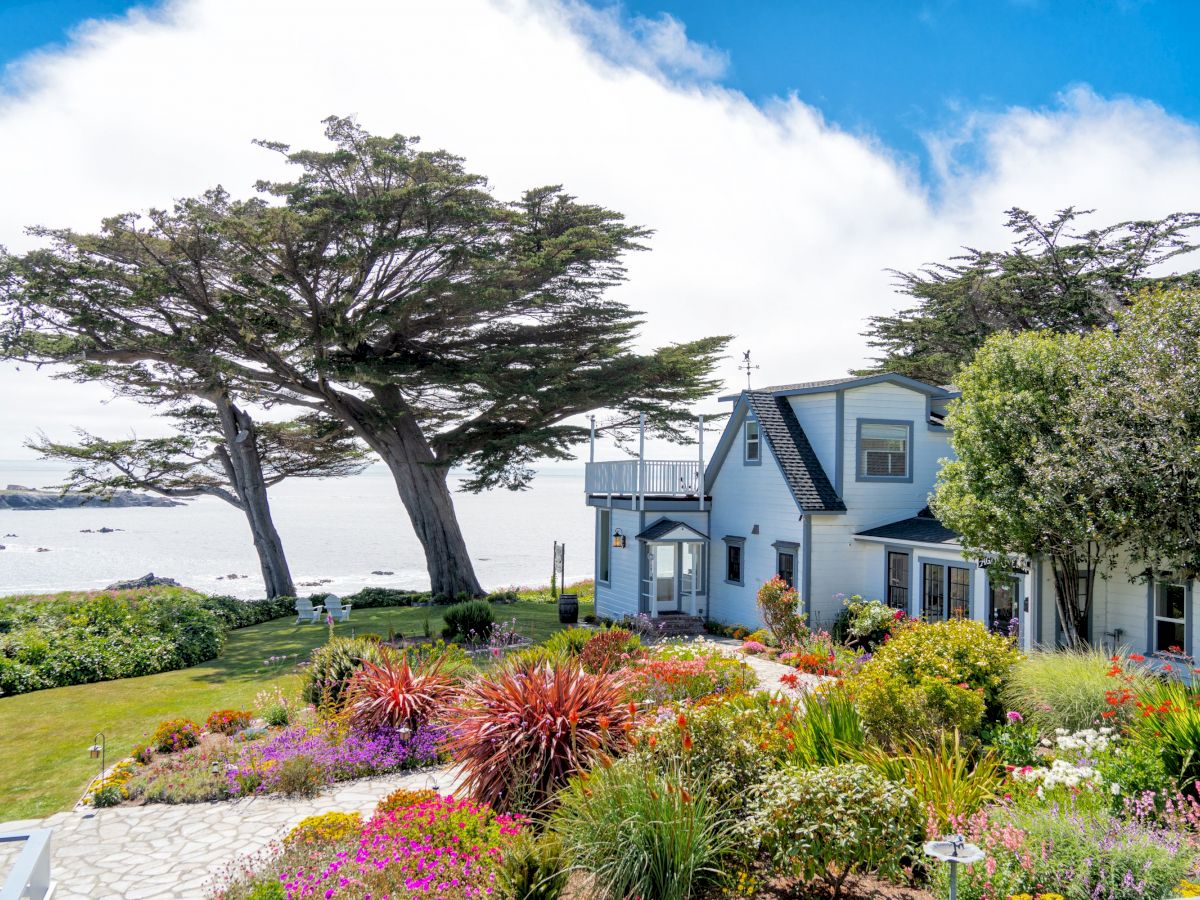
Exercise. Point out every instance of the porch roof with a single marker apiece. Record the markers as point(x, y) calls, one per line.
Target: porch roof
point(671, 530)
point(923, 528)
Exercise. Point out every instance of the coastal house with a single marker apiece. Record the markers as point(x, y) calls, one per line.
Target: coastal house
point(826, 484)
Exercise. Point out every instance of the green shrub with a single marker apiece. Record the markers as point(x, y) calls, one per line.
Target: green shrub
point(828, 823)
point(533, 868)
point(779, 606)
point(896, 712)
point(326, 828)
point(381, 597)
point(270, 889)
point(472, 620)
point(299, 776)
point(331, 667)
point(568, 641)
point(1169, 728)
point(640, 831)
point(826, 731)
point(175, 734)
point(1070, 688)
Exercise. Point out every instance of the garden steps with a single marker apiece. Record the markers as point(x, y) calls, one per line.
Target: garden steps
point(679, 625)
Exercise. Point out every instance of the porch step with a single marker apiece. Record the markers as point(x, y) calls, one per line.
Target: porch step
point(679, 625)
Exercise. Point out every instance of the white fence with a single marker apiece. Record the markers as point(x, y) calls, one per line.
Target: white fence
point(656, 477)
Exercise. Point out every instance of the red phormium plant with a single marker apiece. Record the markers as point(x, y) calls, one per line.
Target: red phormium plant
point(520, 733)
point(609, 649)
point(392, 693)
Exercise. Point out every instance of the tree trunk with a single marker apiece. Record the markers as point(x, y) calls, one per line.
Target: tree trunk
point(244, 467)
point(421, 482)
point(1067, 570)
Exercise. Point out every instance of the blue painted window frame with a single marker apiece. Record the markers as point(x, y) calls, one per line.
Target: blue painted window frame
point(792, 549)
point(947, 565)
point(1151, 603)
point(604, 544)
point(888, 550)
point(740, 543)
point(746, 460)
point(861, 475)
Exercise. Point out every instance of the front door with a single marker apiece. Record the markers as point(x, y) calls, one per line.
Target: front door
point(1004, 604)
point(663, 559)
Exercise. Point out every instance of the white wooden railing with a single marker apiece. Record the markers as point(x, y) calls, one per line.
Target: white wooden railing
point(653, 477)
point(29, 878)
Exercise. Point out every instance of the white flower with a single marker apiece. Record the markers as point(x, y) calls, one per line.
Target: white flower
point(1115, 789)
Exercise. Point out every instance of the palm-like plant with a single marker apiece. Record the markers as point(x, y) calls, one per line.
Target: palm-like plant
point(391, 693)
point(523, 731)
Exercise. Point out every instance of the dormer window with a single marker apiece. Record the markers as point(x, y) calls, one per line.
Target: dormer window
point(884, 450)
point(753, 442)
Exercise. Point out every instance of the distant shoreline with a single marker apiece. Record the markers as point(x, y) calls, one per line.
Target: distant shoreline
point(18, 497)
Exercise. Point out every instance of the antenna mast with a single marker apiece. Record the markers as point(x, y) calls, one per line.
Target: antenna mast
point(747, 366)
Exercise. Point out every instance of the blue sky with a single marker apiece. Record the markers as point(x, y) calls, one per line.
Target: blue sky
point(896, 69)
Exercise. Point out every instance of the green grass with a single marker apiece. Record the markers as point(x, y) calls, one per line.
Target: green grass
point(44, 736)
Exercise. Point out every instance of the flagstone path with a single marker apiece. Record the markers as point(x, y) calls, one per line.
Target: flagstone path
point(160, 851)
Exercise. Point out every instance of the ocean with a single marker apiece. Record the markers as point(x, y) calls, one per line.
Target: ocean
point(340, 529)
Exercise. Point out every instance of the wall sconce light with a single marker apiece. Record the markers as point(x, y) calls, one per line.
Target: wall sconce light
point(618, 538)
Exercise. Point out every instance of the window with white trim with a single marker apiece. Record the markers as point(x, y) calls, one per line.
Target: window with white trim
point(753, 441)
point(883, 450)
point(1170, 617)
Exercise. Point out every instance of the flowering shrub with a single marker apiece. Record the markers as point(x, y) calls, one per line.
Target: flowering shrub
point(521, 732)
point(326, 754)
point(175, 734)
point(404, 797)
point(228, 721)
point(1076, 689)
point(869, 622)
point(609, 649)
point(688, 671)
point(753, 647)
point(817, 653)
point(333, 664)
point(779, 605)
point(391, 694)
point(1014, 740)
point(325, 828)
point(275, 707)
point(828, 823)
point(1081, 852)
point(1168, 724)
point(111, 789)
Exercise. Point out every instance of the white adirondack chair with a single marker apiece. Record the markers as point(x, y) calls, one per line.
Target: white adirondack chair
point(340, 611)
point(306, 612)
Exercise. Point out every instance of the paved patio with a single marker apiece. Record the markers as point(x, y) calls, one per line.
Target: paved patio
point(152, 851)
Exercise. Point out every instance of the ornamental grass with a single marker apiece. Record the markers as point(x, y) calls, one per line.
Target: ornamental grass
point(520, 733)
point(392, 694)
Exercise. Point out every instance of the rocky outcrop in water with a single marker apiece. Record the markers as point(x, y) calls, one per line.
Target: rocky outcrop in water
point(17, 497)
point(147, 580)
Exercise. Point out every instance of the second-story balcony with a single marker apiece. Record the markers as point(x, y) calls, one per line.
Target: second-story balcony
point(645, 478)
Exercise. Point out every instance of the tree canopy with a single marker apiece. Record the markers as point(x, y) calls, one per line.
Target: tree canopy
point(1053, 277)
point(388, 288)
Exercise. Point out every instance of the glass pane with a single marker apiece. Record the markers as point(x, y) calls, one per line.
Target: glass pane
point(751, 440)
point(1001, 606)
point(884, 450)
point(664, 571)
point(787, 568)
point(932, 592)
point(960, 592)
point(1171, 600)
point(1168, 636)
point(897, 592)
point(691, 569)
point(605, 543)
point(733, 567)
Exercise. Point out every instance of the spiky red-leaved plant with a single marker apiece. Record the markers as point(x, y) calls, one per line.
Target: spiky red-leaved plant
point(522, 732)
point(392, 693)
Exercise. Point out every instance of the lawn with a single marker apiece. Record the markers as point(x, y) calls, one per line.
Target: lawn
point(44, 736)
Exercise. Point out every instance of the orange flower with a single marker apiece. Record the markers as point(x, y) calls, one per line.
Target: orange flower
point(687, 741)
point(603, 722)
point(652, 741)
point(681, 721)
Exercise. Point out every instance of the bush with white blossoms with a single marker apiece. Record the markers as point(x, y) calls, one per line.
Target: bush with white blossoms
point(1060, 773)
point(1089, 742)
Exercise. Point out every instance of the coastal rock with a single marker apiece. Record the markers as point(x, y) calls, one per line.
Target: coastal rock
point(104, 530)
point(382, 572)
point(43, 549)
point(18, 497)
point(148, 580)
point(232, 576)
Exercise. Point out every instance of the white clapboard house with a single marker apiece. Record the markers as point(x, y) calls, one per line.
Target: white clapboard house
point(826, 484)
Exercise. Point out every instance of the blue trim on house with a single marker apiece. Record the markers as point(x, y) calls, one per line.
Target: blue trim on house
point(1188, 648)
point(894, 479)
point(725, 442)
point(806, 550)
point(839, 440)
point(746, 460)
point(920, 387)
point(947, 564)
point(661, 504)
point(887, 575)
point(1037, 601)
point(602, 540)
point(739, 542)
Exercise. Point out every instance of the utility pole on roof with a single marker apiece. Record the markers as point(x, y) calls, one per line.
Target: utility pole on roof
point(747, 366)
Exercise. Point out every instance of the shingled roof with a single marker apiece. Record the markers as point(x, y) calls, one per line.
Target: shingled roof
point(923, 528)
point(801, 469)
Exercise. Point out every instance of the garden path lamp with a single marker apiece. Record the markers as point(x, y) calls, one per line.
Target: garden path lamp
point(954, 849)
point(98, 750)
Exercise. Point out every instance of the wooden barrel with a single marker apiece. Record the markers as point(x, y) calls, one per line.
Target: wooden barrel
point(568, 609)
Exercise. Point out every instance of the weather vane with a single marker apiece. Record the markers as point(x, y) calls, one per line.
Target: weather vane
point(747, 366)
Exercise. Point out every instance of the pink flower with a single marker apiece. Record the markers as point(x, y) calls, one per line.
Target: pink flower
point(1014, 716)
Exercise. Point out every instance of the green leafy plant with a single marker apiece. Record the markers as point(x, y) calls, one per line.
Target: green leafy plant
point(641, 831)
point(332, 665)
point(534, 868)
point(1072, 689)
point(522, 731)
point(827, 730)
point(829, 823)
point(779, 605)
point(1170, 725)
point(568, 641)
point(472, 621)
point(330, 827)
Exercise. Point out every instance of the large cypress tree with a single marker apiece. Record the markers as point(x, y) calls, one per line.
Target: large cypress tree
point(388, 288)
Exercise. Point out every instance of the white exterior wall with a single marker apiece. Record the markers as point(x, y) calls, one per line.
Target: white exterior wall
point(744, 496)
point(817, 415)
point(619, 597)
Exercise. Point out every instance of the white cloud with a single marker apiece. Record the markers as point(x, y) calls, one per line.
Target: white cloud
point(770, 223)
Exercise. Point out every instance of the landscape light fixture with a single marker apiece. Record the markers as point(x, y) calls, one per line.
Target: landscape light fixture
point(954, 849)
point(99, 751)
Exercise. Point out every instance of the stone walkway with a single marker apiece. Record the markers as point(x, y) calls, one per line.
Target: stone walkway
point(152, 851)
point(769, 671)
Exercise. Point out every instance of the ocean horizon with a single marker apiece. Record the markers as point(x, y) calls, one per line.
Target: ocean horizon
point(336, 532)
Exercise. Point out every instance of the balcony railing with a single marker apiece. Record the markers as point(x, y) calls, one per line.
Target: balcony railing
point(651, 477)
point(29, 877)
